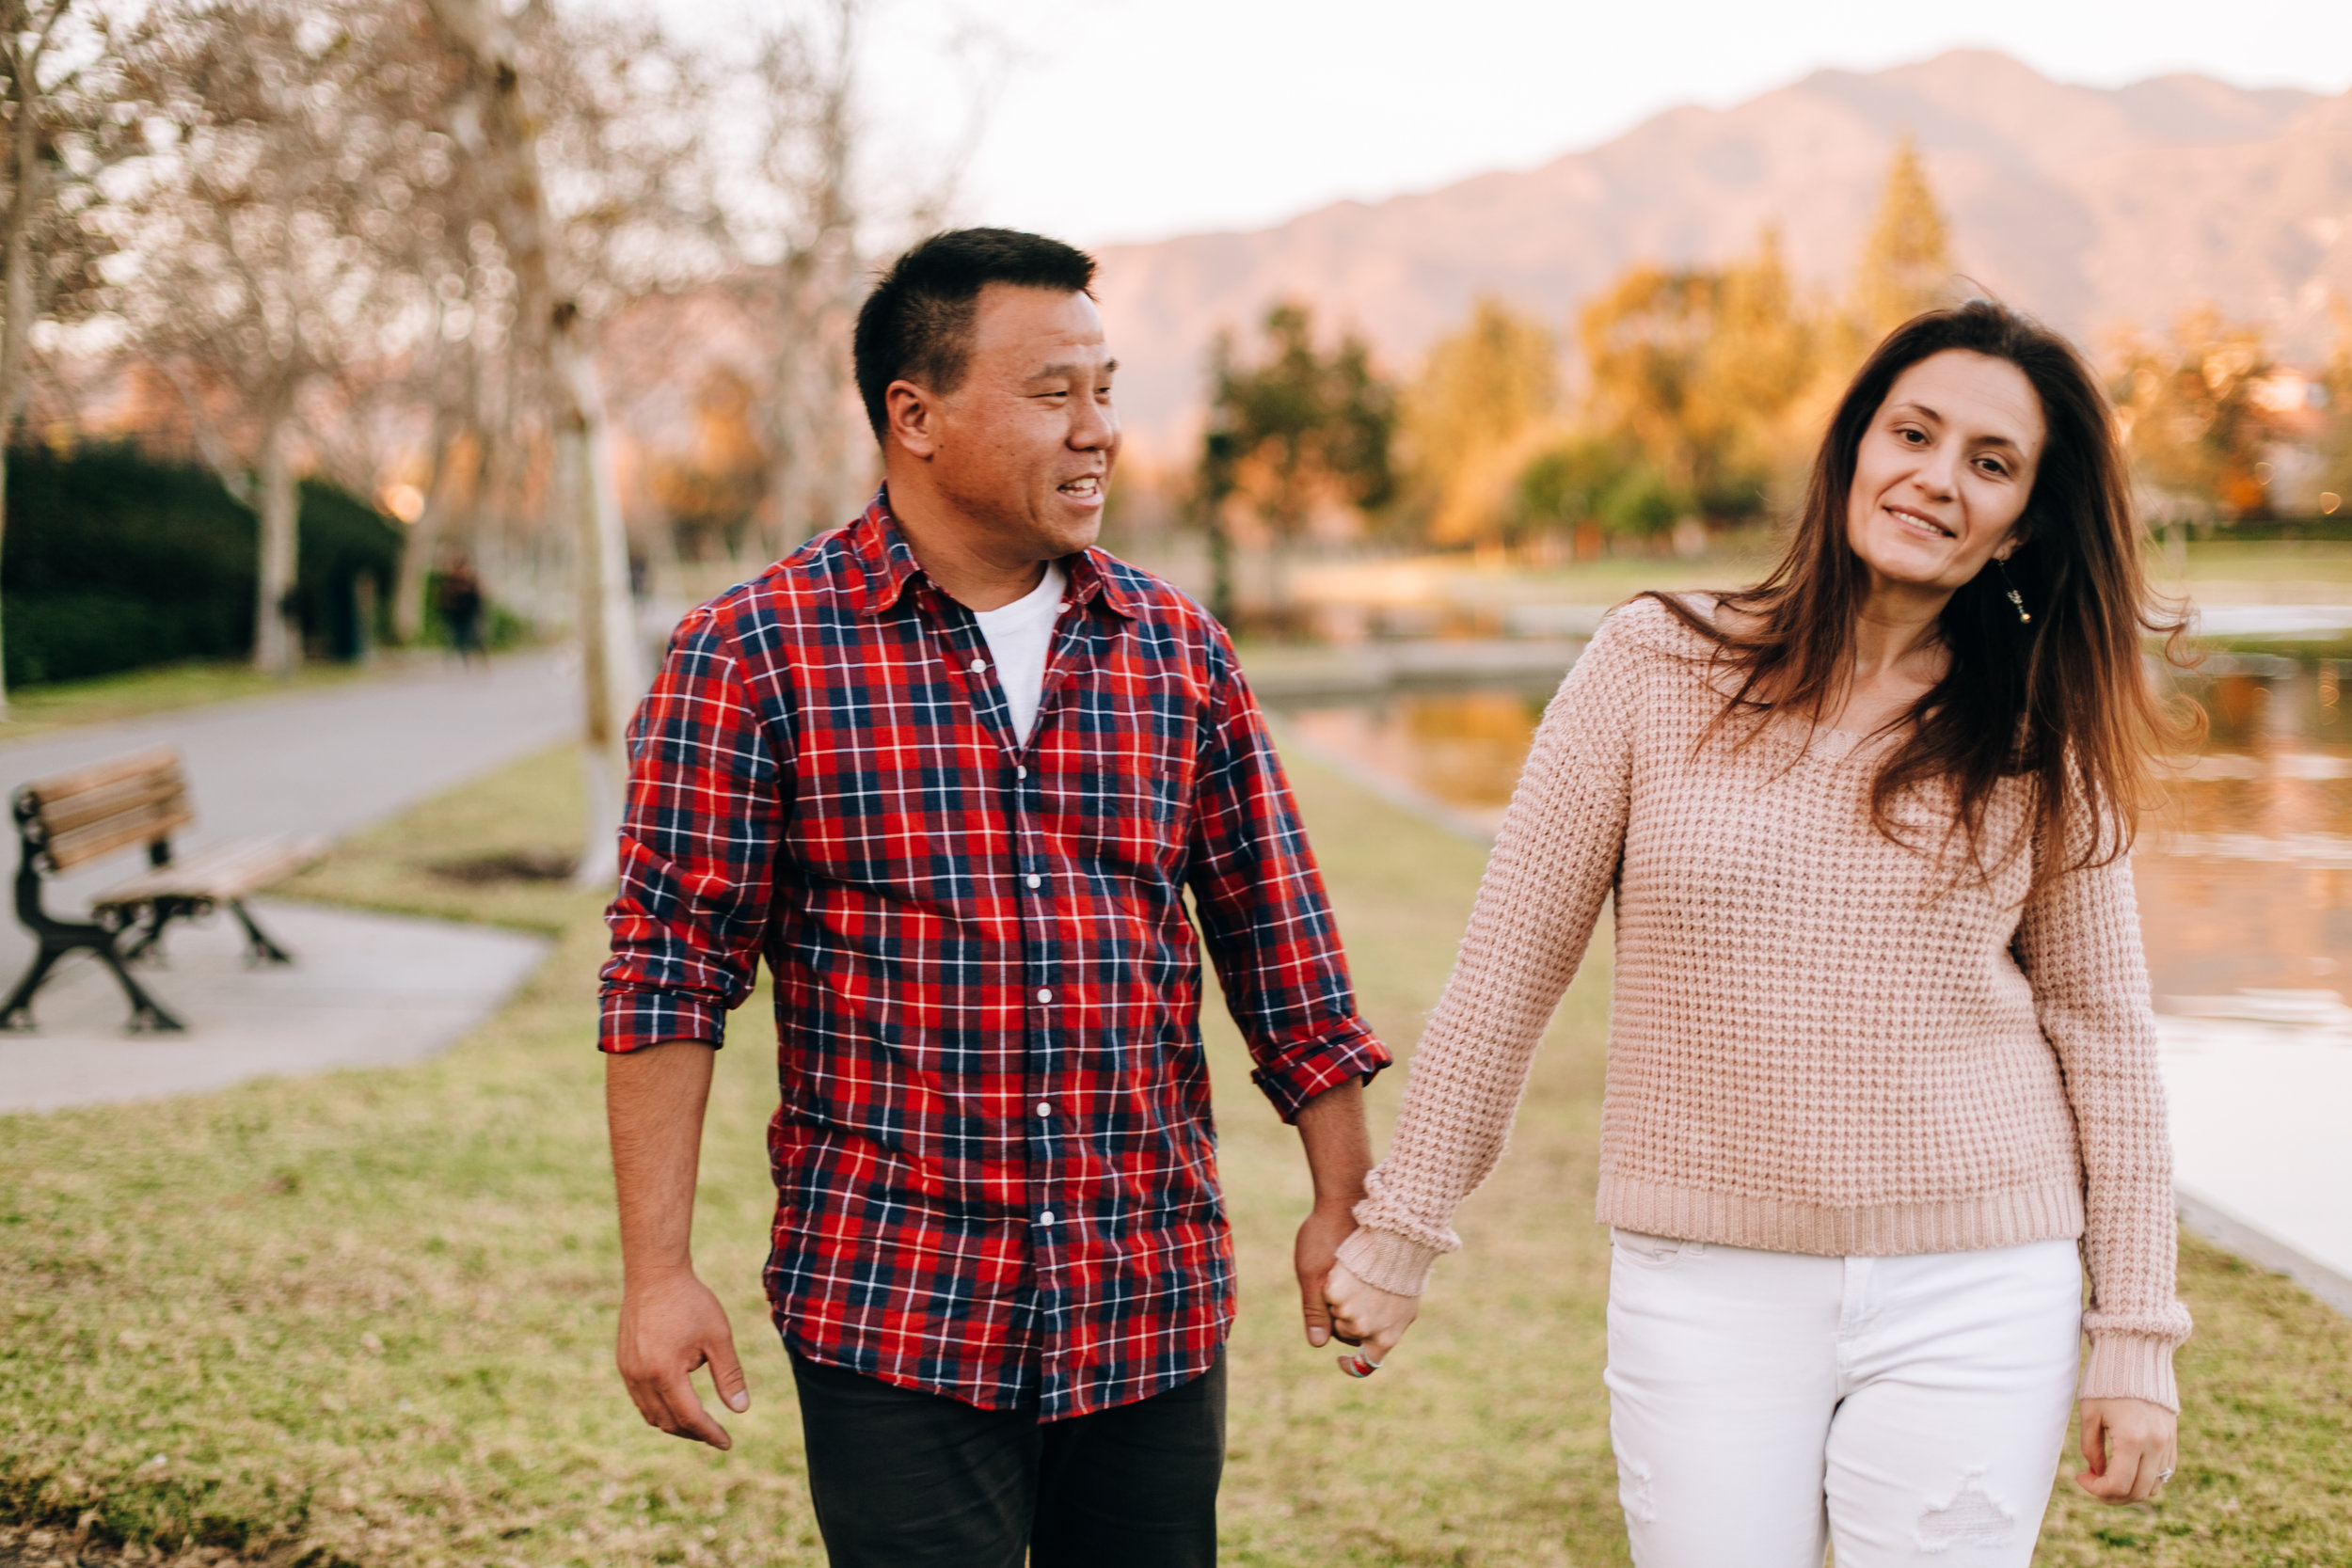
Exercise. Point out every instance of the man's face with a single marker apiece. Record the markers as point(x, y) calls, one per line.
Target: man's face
point(1024, 448)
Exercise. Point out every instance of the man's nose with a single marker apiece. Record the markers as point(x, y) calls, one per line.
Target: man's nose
point(1094, 427)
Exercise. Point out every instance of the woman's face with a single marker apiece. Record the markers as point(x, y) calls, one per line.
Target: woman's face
point(1945, 470)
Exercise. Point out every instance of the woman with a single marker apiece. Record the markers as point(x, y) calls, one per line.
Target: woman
point(1881, 1053)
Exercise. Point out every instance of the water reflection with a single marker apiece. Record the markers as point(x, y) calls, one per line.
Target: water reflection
point(2245, 874)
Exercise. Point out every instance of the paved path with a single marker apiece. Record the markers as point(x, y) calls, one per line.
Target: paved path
point(321, 761)
point(2258, 1110)
point(365, 989)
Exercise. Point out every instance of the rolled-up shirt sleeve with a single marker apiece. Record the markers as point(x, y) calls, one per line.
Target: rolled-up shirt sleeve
point(705, 814)
point(1264, 914)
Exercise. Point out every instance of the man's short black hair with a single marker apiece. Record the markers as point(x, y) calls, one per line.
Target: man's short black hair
point(917, 326)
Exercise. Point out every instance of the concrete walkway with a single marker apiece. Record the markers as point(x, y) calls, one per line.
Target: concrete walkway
point(364, 989)
point(2258, 1105)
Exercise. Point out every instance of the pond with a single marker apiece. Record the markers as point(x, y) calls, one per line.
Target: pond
point(2245, 875)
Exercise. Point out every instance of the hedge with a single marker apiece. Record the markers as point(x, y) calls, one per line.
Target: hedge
point(117, 560)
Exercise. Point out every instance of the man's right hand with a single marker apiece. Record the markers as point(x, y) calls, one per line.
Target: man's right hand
point(670, 1324)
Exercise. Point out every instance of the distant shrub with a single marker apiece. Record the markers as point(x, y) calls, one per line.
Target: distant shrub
point(116, 561)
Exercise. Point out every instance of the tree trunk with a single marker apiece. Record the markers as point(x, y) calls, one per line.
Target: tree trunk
point(276, 649)
point(607, 646)
point(505, 140)
point(16, 270)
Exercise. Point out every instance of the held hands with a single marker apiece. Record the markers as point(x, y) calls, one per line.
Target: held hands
point(2129, 1448)
point(1366, 1315)
point(1336, 1303)
point(670, 1324)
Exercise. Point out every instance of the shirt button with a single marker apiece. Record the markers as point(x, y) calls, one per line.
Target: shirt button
point(980, 666)
point(1045, 1107)
point(1019, 771)
point(1037, 881)
point(1046, 1218)
point(1045, 993)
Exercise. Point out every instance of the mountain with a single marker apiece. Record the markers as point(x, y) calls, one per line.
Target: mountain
point(2092, 207)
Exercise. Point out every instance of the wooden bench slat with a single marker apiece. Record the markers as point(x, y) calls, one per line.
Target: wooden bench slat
point(147, 825)
point(219, 872)
point(73, 781)
point(92, 805)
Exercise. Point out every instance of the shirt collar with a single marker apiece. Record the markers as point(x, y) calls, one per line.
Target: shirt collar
point(887, 564)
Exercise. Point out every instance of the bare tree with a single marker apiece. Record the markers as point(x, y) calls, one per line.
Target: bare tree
point(499, 127)
point(802, 80)
point(59, 139)
point(278, 150)
point(812, 206)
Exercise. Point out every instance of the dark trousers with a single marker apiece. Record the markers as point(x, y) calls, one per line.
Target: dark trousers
point(907, 1479)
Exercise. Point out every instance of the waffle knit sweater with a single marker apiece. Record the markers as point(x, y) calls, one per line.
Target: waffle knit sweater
point(1820, 1040)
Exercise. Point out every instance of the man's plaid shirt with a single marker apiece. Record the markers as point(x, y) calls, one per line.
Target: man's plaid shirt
point(994, 1162)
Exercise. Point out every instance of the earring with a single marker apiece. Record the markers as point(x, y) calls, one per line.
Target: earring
point(2023, 615)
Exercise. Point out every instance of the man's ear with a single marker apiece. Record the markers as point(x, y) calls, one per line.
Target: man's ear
point(913, 418)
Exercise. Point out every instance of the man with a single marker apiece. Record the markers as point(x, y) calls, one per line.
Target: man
point(951, 770)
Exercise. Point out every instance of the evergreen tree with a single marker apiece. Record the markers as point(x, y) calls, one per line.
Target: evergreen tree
point(1906, 264)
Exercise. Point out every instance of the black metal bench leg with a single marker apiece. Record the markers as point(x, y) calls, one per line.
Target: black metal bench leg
point(17, 1012)
point(147, 1014)
point(150, 935)
point(258, 947)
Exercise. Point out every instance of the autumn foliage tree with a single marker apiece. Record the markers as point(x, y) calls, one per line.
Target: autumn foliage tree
point(1482, 393)
point(1694, 370)
point(2192, 414)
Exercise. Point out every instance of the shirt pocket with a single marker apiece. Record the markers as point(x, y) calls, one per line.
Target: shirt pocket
point(1126, 814)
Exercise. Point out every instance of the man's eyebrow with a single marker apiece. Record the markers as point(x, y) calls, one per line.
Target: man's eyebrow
point(1069, 367)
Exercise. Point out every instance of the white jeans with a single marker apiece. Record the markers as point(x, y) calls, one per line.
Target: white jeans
point(1909, 1410)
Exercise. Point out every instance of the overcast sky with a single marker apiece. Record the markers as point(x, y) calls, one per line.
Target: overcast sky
point(1123, 120)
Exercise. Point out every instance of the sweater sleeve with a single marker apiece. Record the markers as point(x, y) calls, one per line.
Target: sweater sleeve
point(1553, 865)
point(2078, 943)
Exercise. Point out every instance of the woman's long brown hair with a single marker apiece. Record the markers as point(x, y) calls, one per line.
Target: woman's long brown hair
point(2063, 700)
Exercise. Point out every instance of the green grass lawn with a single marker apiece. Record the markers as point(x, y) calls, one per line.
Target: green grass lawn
point(365, 1318)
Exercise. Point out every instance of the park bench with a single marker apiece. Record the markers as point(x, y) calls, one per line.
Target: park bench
point(72, 818)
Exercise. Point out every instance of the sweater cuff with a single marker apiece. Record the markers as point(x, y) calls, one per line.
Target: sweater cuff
point(2129, 1367)
point(1388, 1261)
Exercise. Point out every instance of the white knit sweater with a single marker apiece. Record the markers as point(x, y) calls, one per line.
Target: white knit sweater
point(1820, 1040)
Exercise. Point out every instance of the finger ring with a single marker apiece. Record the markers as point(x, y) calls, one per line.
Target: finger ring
point(1358, 1365)
point(2162, 1476)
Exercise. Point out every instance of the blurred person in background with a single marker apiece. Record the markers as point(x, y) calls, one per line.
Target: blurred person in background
point(460, 602)
point(1882, 1077)
point(951, 770)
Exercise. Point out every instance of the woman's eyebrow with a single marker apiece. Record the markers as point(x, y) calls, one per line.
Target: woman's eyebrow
point(1990, 439)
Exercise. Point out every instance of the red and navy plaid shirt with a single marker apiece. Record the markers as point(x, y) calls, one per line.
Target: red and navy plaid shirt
point(994, 1162)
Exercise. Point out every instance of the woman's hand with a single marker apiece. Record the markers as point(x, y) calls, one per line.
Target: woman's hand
point(2129, 1448)
point(1366, 1315)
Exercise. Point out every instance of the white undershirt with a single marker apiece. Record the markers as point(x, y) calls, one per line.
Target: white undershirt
point(1019, 636)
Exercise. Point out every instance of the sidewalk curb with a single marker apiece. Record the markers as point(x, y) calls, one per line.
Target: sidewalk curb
point(2265, 1252)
